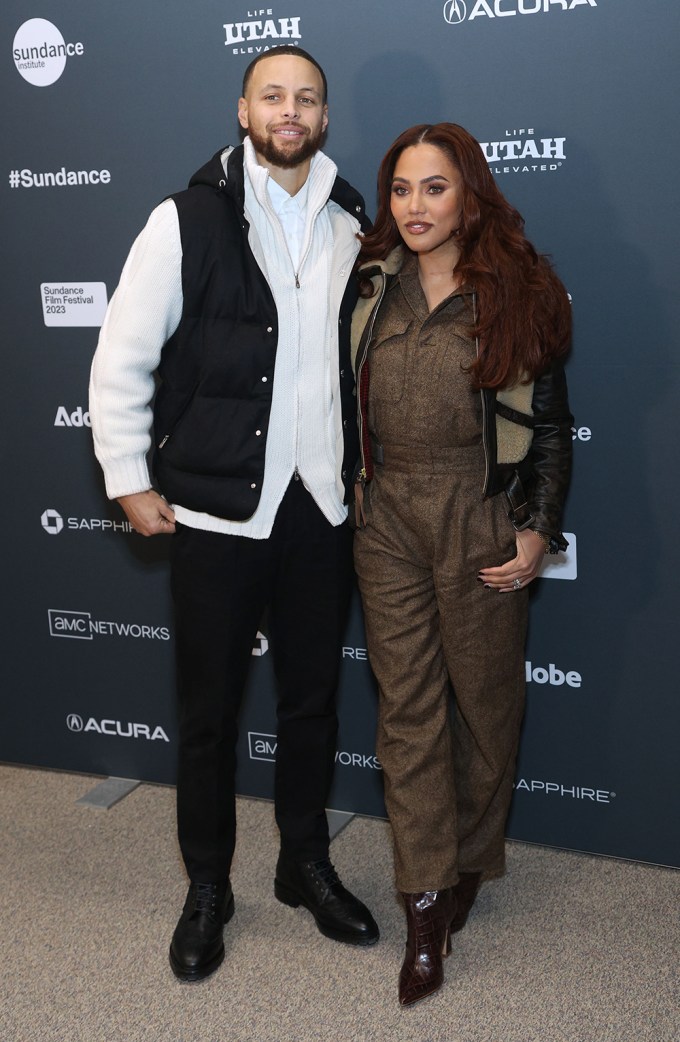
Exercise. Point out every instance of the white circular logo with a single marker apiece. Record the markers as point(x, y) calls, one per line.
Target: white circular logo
point(52, 521)
point(39, 52)
point(455, 11)
point(74, 722)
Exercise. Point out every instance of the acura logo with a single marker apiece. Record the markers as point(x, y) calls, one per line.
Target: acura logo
point(455, 11)
point(74, 722)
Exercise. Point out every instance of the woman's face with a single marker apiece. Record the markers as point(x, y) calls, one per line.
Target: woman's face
point(426, 199)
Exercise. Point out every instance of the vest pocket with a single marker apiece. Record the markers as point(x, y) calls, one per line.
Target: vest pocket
point(218, 437)
point(165, 435)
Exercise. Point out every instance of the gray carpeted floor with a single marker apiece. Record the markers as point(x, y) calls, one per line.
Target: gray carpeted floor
point(565, 948)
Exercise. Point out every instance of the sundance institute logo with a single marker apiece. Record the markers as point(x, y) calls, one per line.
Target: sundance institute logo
point(40, 52)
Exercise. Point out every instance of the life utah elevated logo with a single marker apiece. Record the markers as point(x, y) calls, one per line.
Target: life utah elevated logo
point(261, 28)
point(458, 11)
point(525, 151)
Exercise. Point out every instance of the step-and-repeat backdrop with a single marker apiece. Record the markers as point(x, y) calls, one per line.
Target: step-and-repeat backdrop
point(106, 111)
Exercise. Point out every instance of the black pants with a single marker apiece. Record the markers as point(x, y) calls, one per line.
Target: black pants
point(221, 585)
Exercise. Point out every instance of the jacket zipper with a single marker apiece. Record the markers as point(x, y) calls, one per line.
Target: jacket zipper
point(301, 261)
point(367, 336)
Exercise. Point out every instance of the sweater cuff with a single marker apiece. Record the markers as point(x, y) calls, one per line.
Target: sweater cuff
point(126, 476)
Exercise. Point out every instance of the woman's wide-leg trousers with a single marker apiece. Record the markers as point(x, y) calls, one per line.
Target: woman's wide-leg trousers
point(433, 630)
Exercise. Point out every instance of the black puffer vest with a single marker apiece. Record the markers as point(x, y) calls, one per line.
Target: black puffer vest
point(217, 370)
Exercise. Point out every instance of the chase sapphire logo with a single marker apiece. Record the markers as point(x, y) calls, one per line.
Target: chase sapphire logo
point(52, 521)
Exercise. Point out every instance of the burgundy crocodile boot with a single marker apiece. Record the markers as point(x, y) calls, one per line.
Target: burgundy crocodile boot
point(428, 918)
point(465, 892)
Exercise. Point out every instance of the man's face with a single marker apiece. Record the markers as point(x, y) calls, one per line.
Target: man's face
point(284, 111)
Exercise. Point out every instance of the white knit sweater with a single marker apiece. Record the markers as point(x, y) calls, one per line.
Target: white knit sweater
point(305, 428)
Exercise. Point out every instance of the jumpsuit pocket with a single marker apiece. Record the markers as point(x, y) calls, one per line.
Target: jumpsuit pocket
point(387, 365)
point(502, 532)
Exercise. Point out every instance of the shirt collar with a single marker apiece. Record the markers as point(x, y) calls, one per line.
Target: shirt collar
point(281, 200)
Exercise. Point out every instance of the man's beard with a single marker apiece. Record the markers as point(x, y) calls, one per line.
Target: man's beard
point(286, 158)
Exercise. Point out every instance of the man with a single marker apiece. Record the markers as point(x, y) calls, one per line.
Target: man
point(238, 295)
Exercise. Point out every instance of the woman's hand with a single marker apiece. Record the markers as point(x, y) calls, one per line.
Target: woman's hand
point(518, 573)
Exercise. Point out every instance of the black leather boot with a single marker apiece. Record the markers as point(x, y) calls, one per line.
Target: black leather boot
point(315, 884)
point(197, 947)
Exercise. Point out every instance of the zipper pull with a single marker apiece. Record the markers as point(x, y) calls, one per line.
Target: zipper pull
point(162, 443)
point(297, 281)
point(359, 515)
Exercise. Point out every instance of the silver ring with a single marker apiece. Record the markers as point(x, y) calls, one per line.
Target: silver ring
point(517, 584)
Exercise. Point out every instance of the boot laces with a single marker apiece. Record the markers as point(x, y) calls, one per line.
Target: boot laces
point(206, 898)
point(326, 874)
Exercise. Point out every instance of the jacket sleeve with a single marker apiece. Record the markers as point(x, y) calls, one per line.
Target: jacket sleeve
point(551, 452)
point(142, 314)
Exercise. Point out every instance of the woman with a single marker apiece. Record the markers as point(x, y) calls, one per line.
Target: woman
point(466, 451)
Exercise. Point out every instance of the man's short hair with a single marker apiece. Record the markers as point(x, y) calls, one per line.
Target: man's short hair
point(287, 48)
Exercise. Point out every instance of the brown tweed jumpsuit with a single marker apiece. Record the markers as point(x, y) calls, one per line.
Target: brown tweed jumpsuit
point(431, 625)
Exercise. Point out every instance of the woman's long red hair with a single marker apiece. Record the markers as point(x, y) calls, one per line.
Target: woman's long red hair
point(523, 316)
